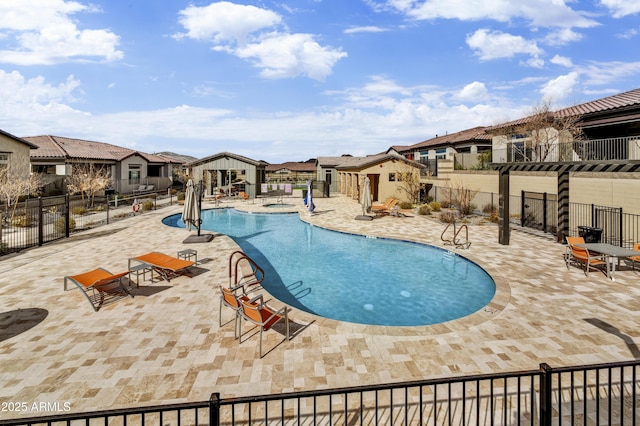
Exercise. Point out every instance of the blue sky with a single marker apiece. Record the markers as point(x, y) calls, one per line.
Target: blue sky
point(290, 80)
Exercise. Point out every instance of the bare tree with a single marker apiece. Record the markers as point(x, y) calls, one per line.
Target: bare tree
point(461, 197)
point(408, 177)
point(17, 182)
point(545, 135)
point(87, 179)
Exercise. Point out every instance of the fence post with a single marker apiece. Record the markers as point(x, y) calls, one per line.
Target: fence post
point(67, 208)
point(546, 410)
point(108, 210)
point(523, 206)
point(214, 409)
point(40, 223)
point(621, 228)
point(544, 212)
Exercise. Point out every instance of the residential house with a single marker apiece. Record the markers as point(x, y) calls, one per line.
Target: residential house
point(228, 173)
point(390, 175)
point(463, 147)
point(130, 170)
point(15, 154)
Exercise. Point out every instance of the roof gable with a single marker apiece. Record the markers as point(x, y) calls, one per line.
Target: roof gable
point(19, 140)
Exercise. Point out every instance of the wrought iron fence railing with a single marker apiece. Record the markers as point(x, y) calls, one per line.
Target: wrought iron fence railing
point(37, 221)
point(610, 149)
point(540, 211)
point(602, 394)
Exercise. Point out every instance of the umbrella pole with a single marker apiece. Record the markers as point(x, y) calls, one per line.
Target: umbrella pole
point(199, 207)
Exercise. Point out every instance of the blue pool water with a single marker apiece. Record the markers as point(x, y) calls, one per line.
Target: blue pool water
point(354, 278)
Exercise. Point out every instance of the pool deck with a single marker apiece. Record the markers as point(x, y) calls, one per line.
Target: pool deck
point(165, 345)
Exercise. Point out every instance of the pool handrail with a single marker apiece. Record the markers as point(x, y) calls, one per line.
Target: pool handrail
point(254, 278)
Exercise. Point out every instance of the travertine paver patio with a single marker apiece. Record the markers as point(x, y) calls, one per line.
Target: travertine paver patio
point(165, 344)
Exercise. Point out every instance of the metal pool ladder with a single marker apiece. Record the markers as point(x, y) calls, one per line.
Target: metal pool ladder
point(455, 241)
point(255, 277)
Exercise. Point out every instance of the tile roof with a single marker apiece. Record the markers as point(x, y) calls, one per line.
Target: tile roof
point(226, 154)
point(610, 104)
point(468, 135)
point(362, 162)
point(619, 101)
point(57, 147)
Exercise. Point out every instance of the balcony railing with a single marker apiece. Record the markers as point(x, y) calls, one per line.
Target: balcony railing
point(612, 149)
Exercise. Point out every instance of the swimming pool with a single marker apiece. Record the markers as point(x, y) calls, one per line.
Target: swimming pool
point(354, 278)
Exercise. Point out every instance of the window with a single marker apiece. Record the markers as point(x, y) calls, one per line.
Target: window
point(441, 154)
point(4, 159)
point(154, 171)
point(392, 177)
point(134, 174)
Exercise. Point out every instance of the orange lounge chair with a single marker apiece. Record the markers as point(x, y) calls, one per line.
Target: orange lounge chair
point(582, 256)
point(166, 266)
point(387, 209)
point(97, 284)
point(257, 312)
point(382, 206)
point(635, 259)
point(244, 196)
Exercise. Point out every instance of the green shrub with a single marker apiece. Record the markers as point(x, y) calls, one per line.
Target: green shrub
point(424, 210)
point(59, 224)
point(22, 221)
point(445, 204)
point(448, 217)
point(435, 206)
point(405, 205)
point(181, 196)
point(488, 208)
point(147, 205)
point(468, 209)
point(79, 210)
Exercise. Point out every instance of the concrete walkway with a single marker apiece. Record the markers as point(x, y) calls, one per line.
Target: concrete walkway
point(165, 345)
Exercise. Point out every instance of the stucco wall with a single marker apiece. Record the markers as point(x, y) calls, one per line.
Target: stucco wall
point(606, 189)
point(19, 155)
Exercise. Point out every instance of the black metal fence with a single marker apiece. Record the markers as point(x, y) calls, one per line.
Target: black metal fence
point(540, 211)
point(37, 221)
point(603, 394)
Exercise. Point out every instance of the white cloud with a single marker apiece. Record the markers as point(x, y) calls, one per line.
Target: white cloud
point(540, 13)
point(372, 117)
point(628, 34)
point(250, 33)
point(562, 61)
point(496, 44)
point(291, 55)
point(603, 73)
point(225, 22)
point(475, 91)
point(560, 88)
point(621, 8)
point(365, 29)
point(562, 37)
point(42, 32)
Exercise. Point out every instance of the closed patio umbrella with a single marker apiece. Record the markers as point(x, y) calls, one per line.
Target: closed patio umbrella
point(365, 199)
point(309, 200)
point(190, 213)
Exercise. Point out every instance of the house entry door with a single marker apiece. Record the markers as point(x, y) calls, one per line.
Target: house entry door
point(375, 182)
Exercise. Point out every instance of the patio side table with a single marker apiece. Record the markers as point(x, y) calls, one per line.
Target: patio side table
point(187, 254)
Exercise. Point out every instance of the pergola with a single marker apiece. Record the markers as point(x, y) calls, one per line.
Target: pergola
point(564, 171)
